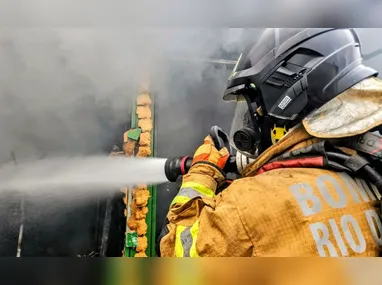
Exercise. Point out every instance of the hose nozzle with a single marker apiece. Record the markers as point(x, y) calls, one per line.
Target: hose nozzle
point(177, 166)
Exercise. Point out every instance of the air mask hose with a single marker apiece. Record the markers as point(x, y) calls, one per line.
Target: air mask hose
point(242, 161)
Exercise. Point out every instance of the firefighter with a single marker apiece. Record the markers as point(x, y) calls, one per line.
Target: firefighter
point(307, 125)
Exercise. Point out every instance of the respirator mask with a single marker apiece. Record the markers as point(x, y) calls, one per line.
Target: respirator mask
point(251, 131)
point(246, 128)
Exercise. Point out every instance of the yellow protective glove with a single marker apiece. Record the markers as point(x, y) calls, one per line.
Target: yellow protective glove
point(208, 153)
point(206, 172)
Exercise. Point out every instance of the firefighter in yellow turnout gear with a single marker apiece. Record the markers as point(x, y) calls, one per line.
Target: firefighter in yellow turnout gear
point(315, 191)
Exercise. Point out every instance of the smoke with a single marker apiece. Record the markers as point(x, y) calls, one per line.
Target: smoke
point(67, 91)
point(369, 44)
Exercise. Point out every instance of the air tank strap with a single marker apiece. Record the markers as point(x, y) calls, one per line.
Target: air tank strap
point(327, 156)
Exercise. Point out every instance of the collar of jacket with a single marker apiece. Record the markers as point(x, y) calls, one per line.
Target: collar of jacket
point(296, 138)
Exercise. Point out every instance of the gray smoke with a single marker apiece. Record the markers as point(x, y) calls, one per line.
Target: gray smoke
point(370, 42)
point(67, 91)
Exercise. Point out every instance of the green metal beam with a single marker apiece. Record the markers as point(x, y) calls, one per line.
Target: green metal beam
point(151, 215)
point(130, 251)
point(153, 187)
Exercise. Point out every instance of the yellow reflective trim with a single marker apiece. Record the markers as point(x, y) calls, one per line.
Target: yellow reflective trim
point(234, 69)
point(194, 233)
point(180, 200)
point(232, 74)
point(200, 188)
point(178, 243)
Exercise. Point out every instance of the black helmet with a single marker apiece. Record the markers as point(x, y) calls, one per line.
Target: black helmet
point(287, 74)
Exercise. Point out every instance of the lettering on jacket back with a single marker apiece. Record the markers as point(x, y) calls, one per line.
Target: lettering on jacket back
point(336, 236)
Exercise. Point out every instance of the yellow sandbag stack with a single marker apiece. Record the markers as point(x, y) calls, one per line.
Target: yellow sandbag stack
point(138, 205)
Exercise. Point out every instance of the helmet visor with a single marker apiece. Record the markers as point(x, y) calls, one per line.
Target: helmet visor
point(238, 118)
point(241, 120)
